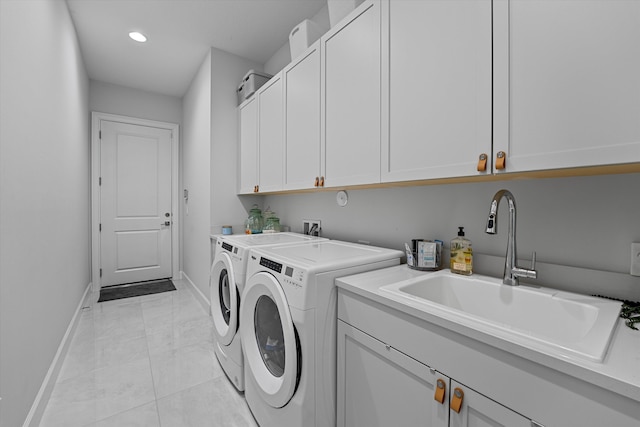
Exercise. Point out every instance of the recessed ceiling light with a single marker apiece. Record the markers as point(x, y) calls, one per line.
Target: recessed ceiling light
point(139, 37)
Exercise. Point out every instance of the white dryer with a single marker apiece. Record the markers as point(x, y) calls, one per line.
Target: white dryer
point(226, 281)
point(288, 328)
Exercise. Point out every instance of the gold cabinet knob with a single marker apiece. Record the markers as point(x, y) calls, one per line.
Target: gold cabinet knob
point(501, 158)
point(456, 400)
point(482, 162)
point(441, 389)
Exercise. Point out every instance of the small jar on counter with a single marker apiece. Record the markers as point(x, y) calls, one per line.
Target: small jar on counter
point(272, 225)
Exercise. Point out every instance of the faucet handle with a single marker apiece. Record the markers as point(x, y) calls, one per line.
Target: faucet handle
point(533, 261)
point(532, 273)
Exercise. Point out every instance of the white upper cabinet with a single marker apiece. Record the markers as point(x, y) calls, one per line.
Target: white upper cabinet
point(408, 90)
point(270, 135)
point(438, 87)
point(351, 62)
point(248, 147)
point(302, 121)
point(566, 83)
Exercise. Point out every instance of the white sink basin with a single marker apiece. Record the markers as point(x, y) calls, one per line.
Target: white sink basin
point(554, 322)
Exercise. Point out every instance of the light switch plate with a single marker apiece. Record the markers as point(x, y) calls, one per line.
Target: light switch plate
point(635, 259)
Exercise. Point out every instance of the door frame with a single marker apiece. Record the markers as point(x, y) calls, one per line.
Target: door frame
point(96, 118)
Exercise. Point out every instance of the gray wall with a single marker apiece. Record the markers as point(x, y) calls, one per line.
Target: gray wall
point(209, 160)
point(226, 207)
point(282, 57)
point(584, 222)
point(44, 194)
point(124, 101)
point(196, 152)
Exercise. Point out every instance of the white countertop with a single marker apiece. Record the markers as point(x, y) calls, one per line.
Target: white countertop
point(619, 371)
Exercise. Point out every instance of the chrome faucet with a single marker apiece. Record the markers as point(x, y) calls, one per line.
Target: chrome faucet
point(314, 230)
point(511, 271)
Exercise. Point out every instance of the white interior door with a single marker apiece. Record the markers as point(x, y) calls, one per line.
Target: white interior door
point(135, 203)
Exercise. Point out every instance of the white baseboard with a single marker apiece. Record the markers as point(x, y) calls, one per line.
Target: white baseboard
point(203, 299)
point(42, 398)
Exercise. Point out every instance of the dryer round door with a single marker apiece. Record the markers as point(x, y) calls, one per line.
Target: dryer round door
point(225, 300)
point(269, 339)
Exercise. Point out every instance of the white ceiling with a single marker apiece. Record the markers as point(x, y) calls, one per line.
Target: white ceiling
point(180, 33)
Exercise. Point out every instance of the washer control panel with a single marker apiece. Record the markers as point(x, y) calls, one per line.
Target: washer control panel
point(287, 274)
point(293, 277)
point(272, 265)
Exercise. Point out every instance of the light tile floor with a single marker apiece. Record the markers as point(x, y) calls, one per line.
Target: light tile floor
point(145, 361)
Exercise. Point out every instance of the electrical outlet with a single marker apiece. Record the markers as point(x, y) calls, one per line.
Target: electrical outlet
point(311, 227)
point(635, 259)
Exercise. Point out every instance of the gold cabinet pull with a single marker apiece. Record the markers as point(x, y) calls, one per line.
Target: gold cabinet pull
point(482, 162)
point(441, 389)
point(501, 158)
point(317, 182)
point(322, 181)
point(456, 400)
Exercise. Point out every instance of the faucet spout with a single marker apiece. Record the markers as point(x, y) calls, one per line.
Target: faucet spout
point(511, 271)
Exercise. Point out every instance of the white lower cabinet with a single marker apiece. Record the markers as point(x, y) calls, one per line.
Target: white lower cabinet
point(478, 410)
point(389, 363)
point(379, 385)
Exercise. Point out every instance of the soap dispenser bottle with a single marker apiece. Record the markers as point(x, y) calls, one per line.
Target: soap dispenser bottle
point(461, 254)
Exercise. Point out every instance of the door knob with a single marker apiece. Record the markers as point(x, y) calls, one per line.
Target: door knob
point(167, 223)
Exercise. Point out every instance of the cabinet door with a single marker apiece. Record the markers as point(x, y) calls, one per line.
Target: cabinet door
point(302, 124)
point(566, 85)
point(248, 147)
point(479, 410)
point(270, 135)
point(439, 88)
point(380, 386)
point(351, 99)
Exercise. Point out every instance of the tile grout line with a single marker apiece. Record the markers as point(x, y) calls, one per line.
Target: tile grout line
point(153, 381)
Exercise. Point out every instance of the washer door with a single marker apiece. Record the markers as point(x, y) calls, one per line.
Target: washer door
point(269, 339)
point(225, 300)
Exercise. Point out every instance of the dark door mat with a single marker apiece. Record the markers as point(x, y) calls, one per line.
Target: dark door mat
point(135, 290)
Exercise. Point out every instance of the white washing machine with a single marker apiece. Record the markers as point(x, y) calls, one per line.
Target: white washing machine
point(226, 281)
point(288, 328)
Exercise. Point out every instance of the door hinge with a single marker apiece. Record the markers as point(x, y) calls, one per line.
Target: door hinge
point(100, 272)
point(100, 227)
point(99, 134)
point(100, 181)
